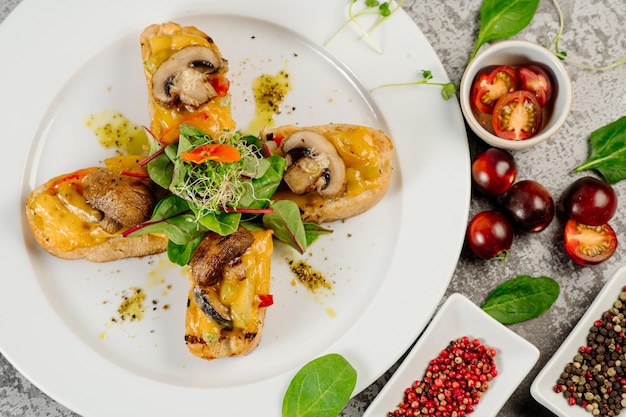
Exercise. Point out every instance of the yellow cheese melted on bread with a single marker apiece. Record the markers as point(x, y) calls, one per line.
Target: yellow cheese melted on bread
point(207, 339)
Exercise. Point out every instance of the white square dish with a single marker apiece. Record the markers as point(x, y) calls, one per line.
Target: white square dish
point(542, 388)
point(459, 317)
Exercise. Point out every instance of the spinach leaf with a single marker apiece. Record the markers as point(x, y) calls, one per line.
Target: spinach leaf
point(521, 298)
point(502, 19)
point(181, 254)
point(173, 218)
point(313, 231)
point(321, 388)
point(287, 224)
point(265, 186)
point(608, 151)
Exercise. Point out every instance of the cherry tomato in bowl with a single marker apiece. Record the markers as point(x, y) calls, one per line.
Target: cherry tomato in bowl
point(490, 235)
point(489, 86)
point(589, 245)
point(517, 116)
point(534, 79)
point(590, 201)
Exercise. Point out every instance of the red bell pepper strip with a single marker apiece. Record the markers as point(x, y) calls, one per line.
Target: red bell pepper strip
point(221, 85)
point(266, 300)
point(70, 177)
point(212, 152)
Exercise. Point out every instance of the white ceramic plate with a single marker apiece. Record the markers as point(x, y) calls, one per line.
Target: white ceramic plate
point(542, 387)
point(390, 266)
point(459, 317)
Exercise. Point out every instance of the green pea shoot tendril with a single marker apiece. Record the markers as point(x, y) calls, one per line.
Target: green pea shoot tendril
point(447, 89)
point(384, 10)
point(563, 54)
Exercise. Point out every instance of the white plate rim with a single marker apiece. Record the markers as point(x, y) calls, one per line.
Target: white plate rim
point(116, 18)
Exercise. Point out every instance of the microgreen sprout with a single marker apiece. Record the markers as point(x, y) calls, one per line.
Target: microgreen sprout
point(447, 89)
point(384, 10)
point(213, 186)
point(563, 55)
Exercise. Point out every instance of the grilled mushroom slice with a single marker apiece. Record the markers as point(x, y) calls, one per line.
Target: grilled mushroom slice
point(210, 304)
point(215, 252)
point(313, 164)
point(124, 201)
point(185, 77)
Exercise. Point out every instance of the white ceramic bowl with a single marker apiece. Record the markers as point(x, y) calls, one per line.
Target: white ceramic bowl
point(542, 388)
point(517, 53)
point(459, 317)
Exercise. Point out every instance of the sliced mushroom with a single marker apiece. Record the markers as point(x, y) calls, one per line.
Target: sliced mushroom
point(214, 253)
point(209, 302)
point(184, 77)
point(124, 201)
point(313, 164)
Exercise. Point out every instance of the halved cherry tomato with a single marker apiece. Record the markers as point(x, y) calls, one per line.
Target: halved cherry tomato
point(533, 78)
point(517, 116)
point(489, 87)
point(589, 245)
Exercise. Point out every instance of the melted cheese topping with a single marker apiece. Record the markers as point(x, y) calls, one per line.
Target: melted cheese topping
point(240, 296)
point(212, 118)
point(61, 214)
point(165, 121)
point(356, 148)
point(358, 151)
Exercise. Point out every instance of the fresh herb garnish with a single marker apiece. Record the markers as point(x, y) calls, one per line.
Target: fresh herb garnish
point(502, 19)
point(384, 10)
point(608, 151)
point(219, 193)
point(563, 55)
point(447, 89)
point(321, 388)
point(521, 298)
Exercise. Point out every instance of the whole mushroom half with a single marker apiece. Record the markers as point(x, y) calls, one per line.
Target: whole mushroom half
point(124, 201)
point(313, 164)
point(185, 77)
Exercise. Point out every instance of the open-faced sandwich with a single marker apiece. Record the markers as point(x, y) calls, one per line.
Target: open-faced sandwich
point(83, 214)
point(334, 171)
point(186, 79)
point(215, 199)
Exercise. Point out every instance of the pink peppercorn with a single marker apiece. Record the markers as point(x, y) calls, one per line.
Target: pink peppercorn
point(453, 382)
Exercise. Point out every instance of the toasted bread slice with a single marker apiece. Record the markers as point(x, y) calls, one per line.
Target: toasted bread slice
point(243, 297)
point(186, 79)
point(367, 155)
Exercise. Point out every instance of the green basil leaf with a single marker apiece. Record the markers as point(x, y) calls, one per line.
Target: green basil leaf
point(521, 298)
point(608, 151)
point(321, 388)
point(502, 19)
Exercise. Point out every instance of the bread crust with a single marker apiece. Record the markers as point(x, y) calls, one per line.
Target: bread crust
point(112, 248)
point(236, 343)
point(317, 209)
